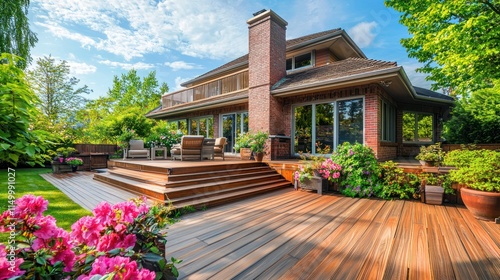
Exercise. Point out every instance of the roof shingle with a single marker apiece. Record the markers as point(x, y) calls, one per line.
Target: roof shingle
point(335, 70)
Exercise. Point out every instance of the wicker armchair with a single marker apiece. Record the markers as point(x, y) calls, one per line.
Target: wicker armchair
point(220, 145)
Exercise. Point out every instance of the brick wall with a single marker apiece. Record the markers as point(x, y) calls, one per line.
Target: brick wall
point(266, 66)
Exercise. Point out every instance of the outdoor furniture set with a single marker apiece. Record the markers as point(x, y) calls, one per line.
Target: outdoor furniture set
point(195, 147)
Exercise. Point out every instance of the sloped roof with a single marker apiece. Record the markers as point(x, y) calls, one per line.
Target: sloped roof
point(430, 93)
point(243, 60)
point(335, 70)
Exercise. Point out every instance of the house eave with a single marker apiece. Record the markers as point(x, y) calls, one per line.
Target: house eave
point(395, 74)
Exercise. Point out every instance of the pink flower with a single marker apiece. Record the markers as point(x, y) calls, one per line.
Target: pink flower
point(114, 240)
point(30, 205)
point(47, 227)
point(123, 268)
point(9, 265)
point(297, 175)
point(103, 213)
point(86, 230)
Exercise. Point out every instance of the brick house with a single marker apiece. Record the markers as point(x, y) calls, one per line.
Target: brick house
point(308, 92)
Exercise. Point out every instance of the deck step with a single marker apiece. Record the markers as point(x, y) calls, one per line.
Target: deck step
point(203, 186)
point(226, 197)
point(151, 191)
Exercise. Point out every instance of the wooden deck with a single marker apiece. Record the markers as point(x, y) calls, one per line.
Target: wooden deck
point(288, 234)
point(82, 189)
point(291, 234)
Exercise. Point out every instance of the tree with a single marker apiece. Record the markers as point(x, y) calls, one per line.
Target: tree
point(458, 41)
point(59, 100)
point(124, 108)
point(129, 90)
point(15, 34)
point(476, 119)
point(18, 141)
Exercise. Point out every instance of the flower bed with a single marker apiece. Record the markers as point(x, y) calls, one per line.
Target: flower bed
point(124, 241)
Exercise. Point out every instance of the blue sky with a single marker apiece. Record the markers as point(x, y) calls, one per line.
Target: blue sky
point(181, 40)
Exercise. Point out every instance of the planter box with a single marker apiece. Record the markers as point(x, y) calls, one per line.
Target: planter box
point(434, 194)
point(315, 183)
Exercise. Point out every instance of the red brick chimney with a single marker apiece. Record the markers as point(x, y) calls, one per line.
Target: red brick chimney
point(266, 66)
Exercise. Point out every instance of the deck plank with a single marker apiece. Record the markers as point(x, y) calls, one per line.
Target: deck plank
point(477, 255)
point(438, 252)
point(397, 264)
point(377, 258)
point(460, 261)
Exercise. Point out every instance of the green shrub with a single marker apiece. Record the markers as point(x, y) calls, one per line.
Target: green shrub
point(397, 183)
point(360, 171)
point(478, 169)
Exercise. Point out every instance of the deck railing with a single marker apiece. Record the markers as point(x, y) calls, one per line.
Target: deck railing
point(225, 85)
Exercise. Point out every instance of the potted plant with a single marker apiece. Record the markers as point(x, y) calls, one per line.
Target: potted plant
point(242, 145)
point(479, 171)
point(431, 155)
point(258, 144)
point(434, 187)
point(74, 162)
point(315, 173)
point(64, 152)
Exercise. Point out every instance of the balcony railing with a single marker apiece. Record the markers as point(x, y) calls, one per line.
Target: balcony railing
point(225, 85)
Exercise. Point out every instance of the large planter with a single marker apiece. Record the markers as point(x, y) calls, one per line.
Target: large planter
point(315, 183)
point(245, 153)
point(482, 205)
point(434, 194)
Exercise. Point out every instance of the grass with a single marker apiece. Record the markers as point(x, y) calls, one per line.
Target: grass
point(29, 181)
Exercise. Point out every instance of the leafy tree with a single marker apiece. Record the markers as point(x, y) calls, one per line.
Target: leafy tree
point(124, 107)
point(475, 119)
point(15, 34)
point(59, 100)
point(457, 40)
point(129, 90)
point(18, 141)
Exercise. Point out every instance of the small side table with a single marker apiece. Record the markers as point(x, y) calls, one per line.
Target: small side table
point(154, 149)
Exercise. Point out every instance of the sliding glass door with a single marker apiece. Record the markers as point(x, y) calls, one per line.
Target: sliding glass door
point(232, 125)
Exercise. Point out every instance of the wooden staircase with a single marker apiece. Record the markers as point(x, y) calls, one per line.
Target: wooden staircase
point(196, 186)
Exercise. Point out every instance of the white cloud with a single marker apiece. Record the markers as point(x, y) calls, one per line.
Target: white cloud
point(417, 79)
point(178, 82)
point(133, 28)
point(128, 66)
point(363, 33)
point(182, 65)
point(77, 68)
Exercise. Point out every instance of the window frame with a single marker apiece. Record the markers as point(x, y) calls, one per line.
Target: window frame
point(336, 121)
point(388, 122)
point(415, 127)
point(313, 61)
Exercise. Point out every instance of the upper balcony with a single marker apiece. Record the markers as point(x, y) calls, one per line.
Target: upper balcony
point(227, 84)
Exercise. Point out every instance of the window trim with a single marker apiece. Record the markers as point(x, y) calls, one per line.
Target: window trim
point(415, 131)
point(388, 122)
point(313, 61)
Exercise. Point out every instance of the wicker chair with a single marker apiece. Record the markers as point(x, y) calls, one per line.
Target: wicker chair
point(137, 149)
point(189, 148)
point(220, 145)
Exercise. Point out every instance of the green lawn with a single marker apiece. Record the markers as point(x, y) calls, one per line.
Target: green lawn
point(29, 181)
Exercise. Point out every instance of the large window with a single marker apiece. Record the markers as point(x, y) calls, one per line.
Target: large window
point(388, 123)
point(317, 126)
point(202, 126)
point(300, 61)
point(417, 127)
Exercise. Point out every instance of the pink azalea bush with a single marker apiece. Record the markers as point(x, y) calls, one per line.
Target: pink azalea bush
point(122, 241)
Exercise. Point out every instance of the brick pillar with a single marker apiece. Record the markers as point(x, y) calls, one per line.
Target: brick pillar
point(266, 66)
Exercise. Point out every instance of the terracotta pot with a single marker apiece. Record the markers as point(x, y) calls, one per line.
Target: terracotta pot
point(245, 153)
point(483, 205)
point(259, 156)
